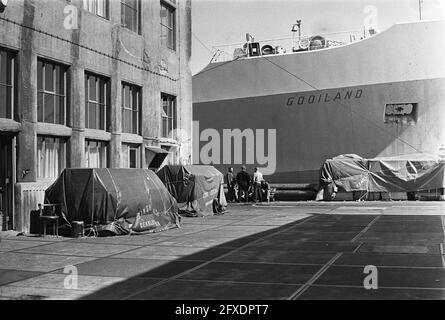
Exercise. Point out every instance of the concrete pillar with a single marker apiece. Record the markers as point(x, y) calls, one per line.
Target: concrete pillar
point(26, 151)
point(77, 140)
point(115, 146)
point(185, 111)
point(151, 100)
point(76, 154)
point(27, 110)
point(115, 150)
point(116, 119)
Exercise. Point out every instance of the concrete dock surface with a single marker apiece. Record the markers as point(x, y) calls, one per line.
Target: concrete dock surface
point(280, 250)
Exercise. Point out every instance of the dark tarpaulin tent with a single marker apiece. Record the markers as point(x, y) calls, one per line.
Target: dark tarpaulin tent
point(114, 201)
point(409, 173)
point(195, 186)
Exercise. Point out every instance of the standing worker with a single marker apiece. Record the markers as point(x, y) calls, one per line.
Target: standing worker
point(265, 189)
point(257, 178)
point(243, 180)
point(231, 185)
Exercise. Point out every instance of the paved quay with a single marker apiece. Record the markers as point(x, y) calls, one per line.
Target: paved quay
point(304, 250)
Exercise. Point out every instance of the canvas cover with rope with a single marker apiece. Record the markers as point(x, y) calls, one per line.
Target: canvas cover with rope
point(407, 173)
point(195, 187)
point(114, 201)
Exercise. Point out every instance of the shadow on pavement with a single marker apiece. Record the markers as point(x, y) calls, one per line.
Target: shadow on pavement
point(207, 275)
point(319, 257)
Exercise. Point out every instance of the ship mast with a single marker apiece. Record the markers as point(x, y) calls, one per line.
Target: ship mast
point(297, 27)
point(420, 9)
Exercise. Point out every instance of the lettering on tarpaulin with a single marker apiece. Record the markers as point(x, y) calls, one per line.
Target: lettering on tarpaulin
point(145, 221)
point(147, 209)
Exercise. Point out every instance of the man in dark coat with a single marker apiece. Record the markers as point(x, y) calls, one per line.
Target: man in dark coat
point(231, 185)
point(265, 190)
point(243, 180)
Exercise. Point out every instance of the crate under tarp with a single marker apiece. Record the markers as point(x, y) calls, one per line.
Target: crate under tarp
point(408, 173)
point(195, 187)
point(115, 201)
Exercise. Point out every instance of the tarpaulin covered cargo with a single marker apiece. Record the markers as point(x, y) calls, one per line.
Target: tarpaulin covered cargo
point(407, 173)
point(195, 187)
point(115, 200)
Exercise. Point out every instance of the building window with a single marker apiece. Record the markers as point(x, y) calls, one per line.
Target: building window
point(51, 92)
point(168, 115)
point(51, 156)
point(97, 102)
point(168, 26)
point(98, 7)
point(131, 155)
point(96, 154)
point(131, 106)
point(7, 81)
point(130, 14)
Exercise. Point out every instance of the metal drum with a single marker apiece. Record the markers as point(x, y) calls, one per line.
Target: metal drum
point(78, 229)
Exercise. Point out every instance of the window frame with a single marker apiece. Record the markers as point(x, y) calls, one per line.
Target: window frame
point(133, 89)
point(61, 161)
point(124, 7)
point(103, 146)
point(171, 10)
point(172, 119)
point(102, 83)
point(86, 7)
point(63, 69)
point(137, 149)
point(11, 73)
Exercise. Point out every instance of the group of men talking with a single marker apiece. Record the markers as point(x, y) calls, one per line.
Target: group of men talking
point(243, 187)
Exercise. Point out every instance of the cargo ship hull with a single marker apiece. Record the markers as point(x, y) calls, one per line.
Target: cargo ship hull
point(287, 114)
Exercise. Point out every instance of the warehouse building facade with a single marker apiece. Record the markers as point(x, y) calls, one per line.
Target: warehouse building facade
point(89, 83)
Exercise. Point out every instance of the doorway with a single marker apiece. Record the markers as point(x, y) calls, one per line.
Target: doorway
point(6, 182)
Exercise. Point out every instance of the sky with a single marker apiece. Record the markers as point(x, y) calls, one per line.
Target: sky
point(223, 24)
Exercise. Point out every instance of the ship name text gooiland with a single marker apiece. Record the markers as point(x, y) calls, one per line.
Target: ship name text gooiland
point(322, 97)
